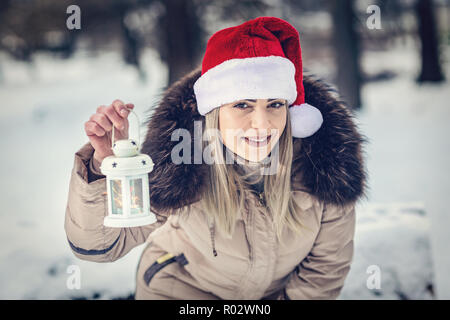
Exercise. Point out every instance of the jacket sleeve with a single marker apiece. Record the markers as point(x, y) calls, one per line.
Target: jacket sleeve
point(86, 208)
point(322, 273)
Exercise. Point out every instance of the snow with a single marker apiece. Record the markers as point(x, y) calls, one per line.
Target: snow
point(395, 239)
point(402, 229)
point(41, 125)
point(407, 125)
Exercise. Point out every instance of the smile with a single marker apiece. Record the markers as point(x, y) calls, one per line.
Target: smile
point(257, 142)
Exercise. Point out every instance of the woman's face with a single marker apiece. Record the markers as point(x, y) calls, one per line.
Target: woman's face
point(251, 128)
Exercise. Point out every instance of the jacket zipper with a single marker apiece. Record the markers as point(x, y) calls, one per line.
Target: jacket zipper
point(250, 249)
point(213, 243)
point(212, 231)
point(262, 201)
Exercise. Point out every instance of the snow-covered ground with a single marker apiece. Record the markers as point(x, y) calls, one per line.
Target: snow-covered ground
point(409, 151)
point(392, 253)
point(41, 126)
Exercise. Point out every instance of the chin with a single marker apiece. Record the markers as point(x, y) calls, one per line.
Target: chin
point(254, 156)
point(258, 159)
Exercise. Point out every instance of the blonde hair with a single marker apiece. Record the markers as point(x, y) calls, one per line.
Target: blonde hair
point(223, 198)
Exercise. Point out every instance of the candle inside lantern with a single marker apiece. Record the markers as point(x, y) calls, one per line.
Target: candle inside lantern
point(137, 205)
point(116, 192)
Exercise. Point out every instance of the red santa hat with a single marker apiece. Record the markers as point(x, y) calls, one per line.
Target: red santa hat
point(259, 59)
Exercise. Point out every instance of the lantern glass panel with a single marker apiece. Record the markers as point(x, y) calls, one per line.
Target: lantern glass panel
point(137, 202)
point(116, 197)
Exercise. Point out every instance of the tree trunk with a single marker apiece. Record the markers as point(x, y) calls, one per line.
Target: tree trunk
point(179, 32)
point(431, 68)
point(346, 45)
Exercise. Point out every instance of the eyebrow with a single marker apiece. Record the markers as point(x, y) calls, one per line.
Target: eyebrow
point(253, 100)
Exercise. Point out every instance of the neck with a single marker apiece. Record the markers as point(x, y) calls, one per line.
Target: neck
point(250, 171)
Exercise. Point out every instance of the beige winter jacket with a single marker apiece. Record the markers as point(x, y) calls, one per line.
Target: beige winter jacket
point(251, 265)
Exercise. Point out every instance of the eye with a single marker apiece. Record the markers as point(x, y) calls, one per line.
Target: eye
point(277, 105)
point(240, 105)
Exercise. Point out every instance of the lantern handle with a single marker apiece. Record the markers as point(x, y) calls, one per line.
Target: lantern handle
point(139, 138)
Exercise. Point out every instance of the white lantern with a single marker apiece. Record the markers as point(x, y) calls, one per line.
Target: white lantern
point(127, 185)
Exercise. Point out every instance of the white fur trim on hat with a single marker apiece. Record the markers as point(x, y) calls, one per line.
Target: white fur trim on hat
point(305, 120)
point(246, 78)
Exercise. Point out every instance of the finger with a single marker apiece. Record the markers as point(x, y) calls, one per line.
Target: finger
point(102, 120)
point(124, 112)
point(113, 116)
point(93, 128)
point(120, 108)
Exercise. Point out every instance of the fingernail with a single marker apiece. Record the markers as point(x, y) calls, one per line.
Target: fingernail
point(123, 112)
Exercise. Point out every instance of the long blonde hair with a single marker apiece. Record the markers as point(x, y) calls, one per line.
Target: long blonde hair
point(223, 198)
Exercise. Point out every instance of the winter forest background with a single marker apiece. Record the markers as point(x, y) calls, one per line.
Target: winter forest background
point(390, 65)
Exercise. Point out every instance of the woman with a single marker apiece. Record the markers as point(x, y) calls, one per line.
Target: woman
point(276, 223)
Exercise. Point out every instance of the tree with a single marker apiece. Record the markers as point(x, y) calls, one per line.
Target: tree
point(346, 45)
point(431, 68)
point(180, 37)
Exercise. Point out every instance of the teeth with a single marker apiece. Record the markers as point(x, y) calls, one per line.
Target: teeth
point(256, 140)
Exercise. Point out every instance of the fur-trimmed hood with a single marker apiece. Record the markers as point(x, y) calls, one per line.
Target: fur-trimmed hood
point(329, 164)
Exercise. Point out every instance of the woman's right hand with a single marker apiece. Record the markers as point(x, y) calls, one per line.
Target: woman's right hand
point(99, 127)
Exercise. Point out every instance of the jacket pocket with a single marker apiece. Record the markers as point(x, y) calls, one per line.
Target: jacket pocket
point(162, 262)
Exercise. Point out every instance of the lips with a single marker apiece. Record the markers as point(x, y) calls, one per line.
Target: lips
point(257, 142)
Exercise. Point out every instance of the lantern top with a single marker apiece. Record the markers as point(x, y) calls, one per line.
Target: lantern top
point(125, 166)
point(125, 148)
point(127, 160)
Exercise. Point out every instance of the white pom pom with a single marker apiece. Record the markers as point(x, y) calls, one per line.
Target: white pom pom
point(305, 120)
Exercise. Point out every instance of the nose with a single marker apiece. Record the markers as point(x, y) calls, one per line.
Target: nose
point(260, 118)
